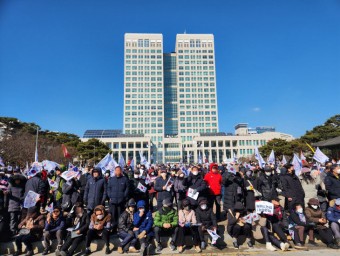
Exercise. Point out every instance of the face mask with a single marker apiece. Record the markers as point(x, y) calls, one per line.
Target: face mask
point(80, 215)
point(107, 174)
point(278, 171)
point(248, 173)
point(152, 173)
point(100, 217)
point(338, 171)
point(136, 176)
point(314, 207)
point(203, 206)
point(268, 173)
point(195, 173)
point(187, 208)
point(300, 210)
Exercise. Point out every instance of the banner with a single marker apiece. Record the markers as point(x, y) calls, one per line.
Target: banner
point(31, 199)
point(319, 156)
point(264, 207)
point(69, 175)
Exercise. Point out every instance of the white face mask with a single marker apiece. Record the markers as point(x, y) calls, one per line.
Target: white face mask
point(314, 207)
point(338, 171)
point(195, 173)
point(136, 176)
point(268, 173)
point(300, 210)
point(203, 206)
point(99, 217)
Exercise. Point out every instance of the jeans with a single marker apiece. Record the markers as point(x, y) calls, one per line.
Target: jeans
point(92, 234)
point(128, 238)
point(48, 236)
point(336, 229)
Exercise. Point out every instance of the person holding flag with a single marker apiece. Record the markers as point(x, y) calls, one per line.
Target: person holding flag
point(57, 194)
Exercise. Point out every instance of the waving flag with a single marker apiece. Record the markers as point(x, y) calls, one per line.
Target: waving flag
point(49, 165)
point(297, 164)
point(2, 162)
point(65, 151)
point(319, 156)
point(121, 161)
point(200, 157)
point(259, 158)
point(132, 164)
point(271, 158)
point(284, 161)
point(143, 160)
point(104, 162)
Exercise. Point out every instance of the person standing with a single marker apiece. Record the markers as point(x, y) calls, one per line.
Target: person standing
point(214, 184)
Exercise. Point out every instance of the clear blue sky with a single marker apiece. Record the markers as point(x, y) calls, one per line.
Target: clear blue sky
point(278, 62)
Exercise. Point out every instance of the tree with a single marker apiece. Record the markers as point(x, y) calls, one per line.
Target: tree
point(92, 150)
point(330, 129)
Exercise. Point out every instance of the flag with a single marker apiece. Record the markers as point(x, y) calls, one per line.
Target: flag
point(49, 208)
point(121, 161)
point(319, 156)
point(65, 151)
point(143, 160)
point(271, 158)
point(49, 165)
point(297, 164)
point(132, 164)
point(206, 159)
point(104, 162)
point(34, 170)
point(284, 161)
point(199, 157)
point(259, 158)
point(302, 157)
point(2, 162)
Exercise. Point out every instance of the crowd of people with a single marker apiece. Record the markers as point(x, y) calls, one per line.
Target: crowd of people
point(144, 204)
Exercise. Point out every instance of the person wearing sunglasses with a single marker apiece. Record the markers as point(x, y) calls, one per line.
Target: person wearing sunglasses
point(54, 228)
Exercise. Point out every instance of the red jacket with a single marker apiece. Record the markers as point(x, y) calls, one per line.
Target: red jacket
point(214, 181)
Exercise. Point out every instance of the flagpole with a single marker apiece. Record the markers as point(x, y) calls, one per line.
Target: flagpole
point(36, 147)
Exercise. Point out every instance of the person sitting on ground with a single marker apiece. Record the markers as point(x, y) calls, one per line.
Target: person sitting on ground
point(315, 215)
point(186, 219)
point(30, 230)
point(299, 224)
point(333, 216)
point(143, 222)
point(238, 226)
point(80, 224)
point(206, 217)
point(125, 229)
point(166, 221)
point(54, 228)
point(100, 226)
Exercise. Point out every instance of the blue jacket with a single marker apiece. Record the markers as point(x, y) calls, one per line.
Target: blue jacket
point(54, 226)
point(333, 214)
point(118, 189)
point(95, 192)
point(144, 223)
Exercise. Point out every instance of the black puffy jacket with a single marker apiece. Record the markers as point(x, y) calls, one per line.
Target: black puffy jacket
point(332, 184)
point(196, 182)
point(95, 192)
point(267, 186)
point(232, 185)
point(118, 189)
point(206, 217)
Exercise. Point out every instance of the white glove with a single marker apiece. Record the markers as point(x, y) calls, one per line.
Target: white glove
point(278, 190)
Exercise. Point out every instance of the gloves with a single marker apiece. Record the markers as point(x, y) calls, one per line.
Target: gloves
point(187, 224)
point(142, 234)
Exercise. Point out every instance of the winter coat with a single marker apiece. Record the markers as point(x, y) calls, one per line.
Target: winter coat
point(83, 221)
point(163, 216)
point(314, 216)
point(310, 189)
point(232, 220)
point(184, 217)
point(55, 225)
point(180, 188)
point(292, 188)
point(16, 194)
point(196, 182)
point(36, 184)
point(105, 222)
point(206, 217)
point(38, 224)
point(214, 182)
point(333, 214)
point(332, 183)
point(295, 219)
point(125, 222)
point(58, 193)
point(95, 192)
point(135, 192)
point(70, 193)
point(266, 185)
point(249, 194)
point(118, 189)
point(162, 194)
point(144, 223)
point(232, 183)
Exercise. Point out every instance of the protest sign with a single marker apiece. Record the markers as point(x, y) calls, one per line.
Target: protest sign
point(68, 175)
point(264, 207)
point(141, 187)
point(213, 235)
point(192, 195)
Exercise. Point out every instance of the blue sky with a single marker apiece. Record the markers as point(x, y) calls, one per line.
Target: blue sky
point(278, 62)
